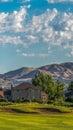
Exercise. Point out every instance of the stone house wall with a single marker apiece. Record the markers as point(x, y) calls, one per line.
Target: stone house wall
point(29, 94)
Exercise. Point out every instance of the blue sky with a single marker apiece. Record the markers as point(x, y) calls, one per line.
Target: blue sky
point(34, 33)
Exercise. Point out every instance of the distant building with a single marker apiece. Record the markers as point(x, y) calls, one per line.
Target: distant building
point(1, 93)
point(7, 94)
point(26, 92)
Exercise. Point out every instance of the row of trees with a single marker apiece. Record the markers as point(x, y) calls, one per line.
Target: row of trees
point(54, 90)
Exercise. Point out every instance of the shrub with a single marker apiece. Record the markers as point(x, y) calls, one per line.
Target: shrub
point(69, 100)
point(3, 100)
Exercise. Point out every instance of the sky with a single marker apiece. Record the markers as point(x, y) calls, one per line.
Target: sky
point(34, 33)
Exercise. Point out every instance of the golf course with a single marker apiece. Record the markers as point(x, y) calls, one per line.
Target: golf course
point(34, 116)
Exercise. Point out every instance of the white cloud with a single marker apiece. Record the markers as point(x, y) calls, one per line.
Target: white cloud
point(36, 55)
point(18, 18)
point(28, 55)
point(72, 52)
point(12, 22)
point(3, 17)
point(18, 51)
point(52, 27)
point(26, 0)
point(6, 0)
point(23, 1)
point(9, 39)
point(57, 1)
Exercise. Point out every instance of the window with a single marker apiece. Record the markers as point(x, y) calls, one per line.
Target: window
point(17, 90)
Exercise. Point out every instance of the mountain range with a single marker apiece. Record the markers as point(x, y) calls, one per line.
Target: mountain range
point(63, 72)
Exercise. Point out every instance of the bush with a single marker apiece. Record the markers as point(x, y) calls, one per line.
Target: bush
point(69, 100)
point(3, 100)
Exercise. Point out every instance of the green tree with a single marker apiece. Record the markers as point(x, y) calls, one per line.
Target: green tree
point(40, 80)
point(47, 84)
point(50, 87)
point(59, 90)
point(71, 86)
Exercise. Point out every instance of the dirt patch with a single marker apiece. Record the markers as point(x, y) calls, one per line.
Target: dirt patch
point(49, 111)
point(38, 111)
point(7, 111)
point(16, 111)
point(21, 111)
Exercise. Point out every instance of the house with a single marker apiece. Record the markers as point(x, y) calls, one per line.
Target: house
point(26, 92)
point(7, 94)
point(1, 93)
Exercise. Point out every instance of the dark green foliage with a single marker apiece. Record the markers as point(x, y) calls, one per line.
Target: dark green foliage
point(59, 90)
point(71, 86)
point(40, 80)
point(50, 87)
point(54, 90)
point(3, 99)
point(47, 84)
point(69, 100)
point(70, 93)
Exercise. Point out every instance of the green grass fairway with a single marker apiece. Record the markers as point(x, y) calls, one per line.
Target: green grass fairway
point(28, 116)
point(36, 121)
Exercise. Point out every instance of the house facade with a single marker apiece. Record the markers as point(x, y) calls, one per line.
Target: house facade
point(7, 94)
point(1, 93)
point(26, 92)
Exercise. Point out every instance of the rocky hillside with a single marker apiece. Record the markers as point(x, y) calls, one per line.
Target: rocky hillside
point(63, 72)
point(15, 74)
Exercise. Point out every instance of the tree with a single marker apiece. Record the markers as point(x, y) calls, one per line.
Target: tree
point(50, 87)
point(40, 80)
point(47, 84)
point(59, 90)
point(54, 90)
point(71, 86)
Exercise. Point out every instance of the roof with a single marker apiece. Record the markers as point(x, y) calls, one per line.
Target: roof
point(26, 85)
point(1, 93)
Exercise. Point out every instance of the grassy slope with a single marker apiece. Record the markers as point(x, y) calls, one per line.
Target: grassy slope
point(16, 121)
point(36, 122)
point(32, 107)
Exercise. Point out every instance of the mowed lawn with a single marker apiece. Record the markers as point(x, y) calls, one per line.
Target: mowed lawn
point(41, 121)
point(36, 121)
